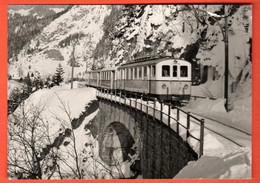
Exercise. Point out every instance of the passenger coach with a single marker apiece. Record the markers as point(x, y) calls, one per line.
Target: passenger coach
point(164, 78)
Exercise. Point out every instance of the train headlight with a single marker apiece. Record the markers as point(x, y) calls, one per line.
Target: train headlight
point(185, 87)
point(163, 86)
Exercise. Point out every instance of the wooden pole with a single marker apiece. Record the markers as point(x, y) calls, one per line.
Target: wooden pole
point(72, 66)
point(226, 58)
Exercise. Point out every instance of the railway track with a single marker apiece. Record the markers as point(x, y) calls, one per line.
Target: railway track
point(230, 133)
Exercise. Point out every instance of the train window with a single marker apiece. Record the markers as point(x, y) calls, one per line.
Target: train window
point(153, 71)
point(135, 76)
point(165, 71)
point(184, 71)
point(145, 71)
point(174, 73)
point(140, 72)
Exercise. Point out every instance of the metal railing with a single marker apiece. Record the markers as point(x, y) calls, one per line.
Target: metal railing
point(122, 99)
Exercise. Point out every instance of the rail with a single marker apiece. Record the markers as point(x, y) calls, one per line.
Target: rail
point(122, 99)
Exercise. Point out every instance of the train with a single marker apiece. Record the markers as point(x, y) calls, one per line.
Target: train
point(164, 78)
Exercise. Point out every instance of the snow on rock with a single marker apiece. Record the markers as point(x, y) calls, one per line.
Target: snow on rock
point(12, 85)
point(232, 165)
point(22, 12)
point(57, 10)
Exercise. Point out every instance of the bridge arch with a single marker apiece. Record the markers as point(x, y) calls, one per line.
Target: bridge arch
point(115, 144)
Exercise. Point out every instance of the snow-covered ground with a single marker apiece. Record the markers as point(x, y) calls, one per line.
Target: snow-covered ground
point(222, 158)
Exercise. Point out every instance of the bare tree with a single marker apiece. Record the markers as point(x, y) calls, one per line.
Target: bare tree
point(72, 162)
point(35, 151)
point(28, 134)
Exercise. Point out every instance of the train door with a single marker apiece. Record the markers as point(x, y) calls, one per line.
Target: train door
point(98, 79)
point(112, 79)
point(175, 82)
point(153, 72)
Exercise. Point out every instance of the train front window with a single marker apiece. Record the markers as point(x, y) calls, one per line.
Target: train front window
point(184, 71)
point(174, 74)
point(165, 71)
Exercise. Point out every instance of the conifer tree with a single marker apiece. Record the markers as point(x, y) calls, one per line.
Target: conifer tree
point(58, 77)
point(28, 81)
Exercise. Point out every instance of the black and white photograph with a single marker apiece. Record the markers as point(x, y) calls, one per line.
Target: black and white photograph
point(137, 91)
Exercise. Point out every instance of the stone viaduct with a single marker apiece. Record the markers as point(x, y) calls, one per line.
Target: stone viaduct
point(125, 130)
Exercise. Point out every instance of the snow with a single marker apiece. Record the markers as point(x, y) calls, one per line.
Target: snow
point(55, 100)
point(57, 10)
point(12, 85)
point(233, 165)
point(230, 161)
point(215, 109)
point(22, 12)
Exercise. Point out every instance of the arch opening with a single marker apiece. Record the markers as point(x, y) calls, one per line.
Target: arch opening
point(116, 144)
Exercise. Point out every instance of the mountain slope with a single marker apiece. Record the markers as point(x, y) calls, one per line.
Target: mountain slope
point(108, 35)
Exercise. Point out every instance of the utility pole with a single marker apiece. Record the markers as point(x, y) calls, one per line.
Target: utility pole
point(226, 59)
point(72, 65)
point(224, 31)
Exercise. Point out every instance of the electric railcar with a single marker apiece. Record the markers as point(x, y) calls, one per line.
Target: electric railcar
point(163, 78)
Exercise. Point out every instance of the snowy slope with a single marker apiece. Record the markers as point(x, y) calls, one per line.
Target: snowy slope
point(85, 20)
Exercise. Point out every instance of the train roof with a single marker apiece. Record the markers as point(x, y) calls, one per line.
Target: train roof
point(110, 68)
point(105, 69)
point(139, 62)
point(148, 61)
